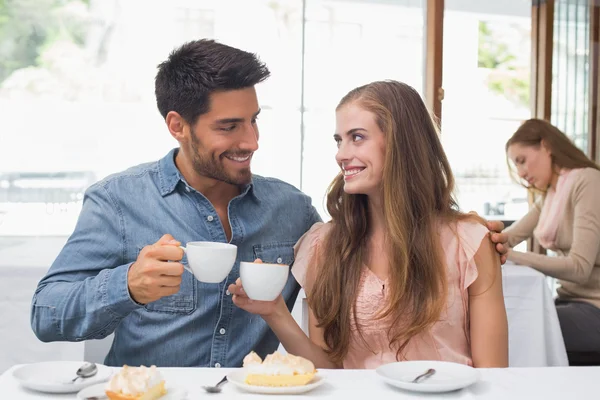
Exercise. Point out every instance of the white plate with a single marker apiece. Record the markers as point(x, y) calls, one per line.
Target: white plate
point(448, 376)
point(173, 393)
point(55, 376)
point(238, 379)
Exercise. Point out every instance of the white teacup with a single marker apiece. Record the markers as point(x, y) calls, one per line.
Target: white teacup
point(263, 281)
point(210, 262)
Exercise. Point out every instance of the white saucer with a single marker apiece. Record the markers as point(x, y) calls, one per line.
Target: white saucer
point(238, 379)
point(448, 376)
point(173, 393)
point(55, 376)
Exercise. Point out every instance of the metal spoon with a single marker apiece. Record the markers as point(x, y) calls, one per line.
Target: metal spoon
point(424, 376)
point(85, 371)
point(217, 387)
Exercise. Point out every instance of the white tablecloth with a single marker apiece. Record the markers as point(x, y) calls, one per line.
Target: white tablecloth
point(535, 336)
point(559, 383)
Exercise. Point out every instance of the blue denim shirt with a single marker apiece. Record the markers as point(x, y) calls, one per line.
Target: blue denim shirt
point(85, 294)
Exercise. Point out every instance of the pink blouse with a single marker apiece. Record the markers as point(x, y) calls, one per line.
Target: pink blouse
point(447, 340)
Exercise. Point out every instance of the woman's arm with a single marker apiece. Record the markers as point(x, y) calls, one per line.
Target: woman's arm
point(487, 314)
point(523, 229)
point(294, 340)
point(280, 320)
point(578, 265)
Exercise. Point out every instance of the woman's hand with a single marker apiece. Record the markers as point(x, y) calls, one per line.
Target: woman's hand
point(262, 308)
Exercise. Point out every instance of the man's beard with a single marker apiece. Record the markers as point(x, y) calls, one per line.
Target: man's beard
point(213, 168)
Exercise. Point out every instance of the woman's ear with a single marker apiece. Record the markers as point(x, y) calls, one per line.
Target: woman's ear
point(544, 146)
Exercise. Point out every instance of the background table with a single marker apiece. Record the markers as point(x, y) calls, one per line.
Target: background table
point(535, 338)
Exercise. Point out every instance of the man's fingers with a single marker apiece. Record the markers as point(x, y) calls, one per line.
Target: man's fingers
point(165, 253)
point(495, 226)
point(167, 239)
point(170, 281)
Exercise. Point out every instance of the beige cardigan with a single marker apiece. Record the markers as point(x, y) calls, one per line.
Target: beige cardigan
point(577, 266)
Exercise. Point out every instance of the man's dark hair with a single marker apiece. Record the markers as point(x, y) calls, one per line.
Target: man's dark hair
point(198, 68)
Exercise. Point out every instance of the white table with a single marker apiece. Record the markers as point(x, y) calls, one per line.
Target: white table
point(559, 383)
point(535, 338)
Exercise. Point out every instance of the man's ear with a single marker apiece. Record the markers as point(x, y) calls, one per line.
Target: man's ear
point(177, 125)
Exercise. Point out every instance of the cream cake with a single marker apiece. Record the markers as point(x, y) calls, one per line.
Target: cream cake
point(136, 383)
point(278, 370)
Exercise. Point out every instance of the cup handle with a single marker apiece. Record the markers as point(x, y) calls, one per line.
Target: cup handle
point(186, 267)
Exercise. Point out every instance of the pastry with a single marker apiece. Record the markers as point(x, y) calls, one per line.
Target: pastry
point(278, 370)
point(136, 383)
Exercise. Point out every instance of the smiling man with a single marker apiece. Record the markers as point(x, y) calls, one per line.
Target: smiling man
point(121, 270)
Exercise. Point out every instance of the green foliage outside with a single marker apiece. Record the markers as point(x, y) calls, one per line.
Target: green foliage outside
point(29, 27)
point(506, 79)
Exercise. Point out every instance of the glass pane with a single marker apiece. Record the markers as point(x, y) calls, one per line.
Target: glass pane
point(77, 85)
point(486, 77)
point(351, 43)
point(570, 78)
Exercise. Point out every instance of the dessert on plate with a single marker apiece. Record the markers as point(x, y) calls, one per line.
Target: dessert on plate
point(136, 383)
point(278, 370)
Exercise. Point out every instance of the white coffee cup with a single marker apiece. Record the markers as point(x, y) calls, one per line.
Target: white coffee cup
point(263, 281)
point(210, 262)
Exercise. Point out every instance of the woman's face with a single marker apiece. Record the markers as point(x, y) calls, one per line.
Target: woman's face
point(361, 149)
point(533, 164)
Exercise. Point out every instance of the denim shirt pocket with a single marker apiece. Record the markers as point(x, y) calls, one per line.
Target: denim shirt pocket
point(182, 302)
point(275, 253)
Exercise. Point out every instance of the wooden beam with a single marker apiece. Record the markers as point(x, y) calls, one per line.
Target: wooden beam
point(542, 41)
point(594, 103)
point(434, 25)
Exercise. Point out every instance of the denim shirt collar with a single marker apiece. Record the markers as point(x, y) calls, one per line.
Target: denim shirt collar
point(170, 176)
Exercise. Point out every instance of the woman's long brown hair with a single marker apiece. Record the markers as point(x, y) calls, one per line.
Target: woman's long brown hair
point(416, 189)
point(563, 152)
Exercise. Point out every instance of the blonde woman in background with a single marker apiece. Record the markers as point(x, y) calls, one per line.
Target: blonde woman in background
point(566, 219)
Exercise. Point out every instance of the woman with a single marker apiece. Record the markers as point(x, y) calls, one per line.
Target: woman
point(398, 273)
point(566, 219)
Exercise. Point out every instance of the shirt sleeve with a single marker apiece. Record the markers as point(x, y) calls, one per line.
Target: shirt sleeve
point(85, 294)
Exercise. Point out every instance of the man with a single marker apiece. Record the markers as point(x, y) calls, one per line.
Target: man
point(108, 279)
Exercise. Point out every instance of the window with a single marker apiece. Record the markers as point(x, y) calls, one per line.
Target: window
point(486, 81)
point(77, 79)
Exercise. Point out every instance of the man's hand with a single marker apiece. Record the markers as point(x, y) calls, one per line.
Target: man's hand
point(152, 276)
point(499, 239)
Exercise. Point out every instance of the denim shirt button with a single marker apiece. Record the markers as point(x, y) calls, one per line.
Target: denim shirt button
point(279, 260)
point(210, 218)
point(187, 188)
point(222, 331)
point(217, 365)
point(227, 292)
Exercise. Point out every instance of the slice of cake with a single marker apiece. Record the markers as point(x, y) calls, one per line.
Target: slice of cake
point(136, 383)
point(278, 370)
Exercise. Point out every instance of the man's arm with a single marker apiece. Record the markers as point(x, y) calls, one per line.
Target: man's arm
point(85, 294)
